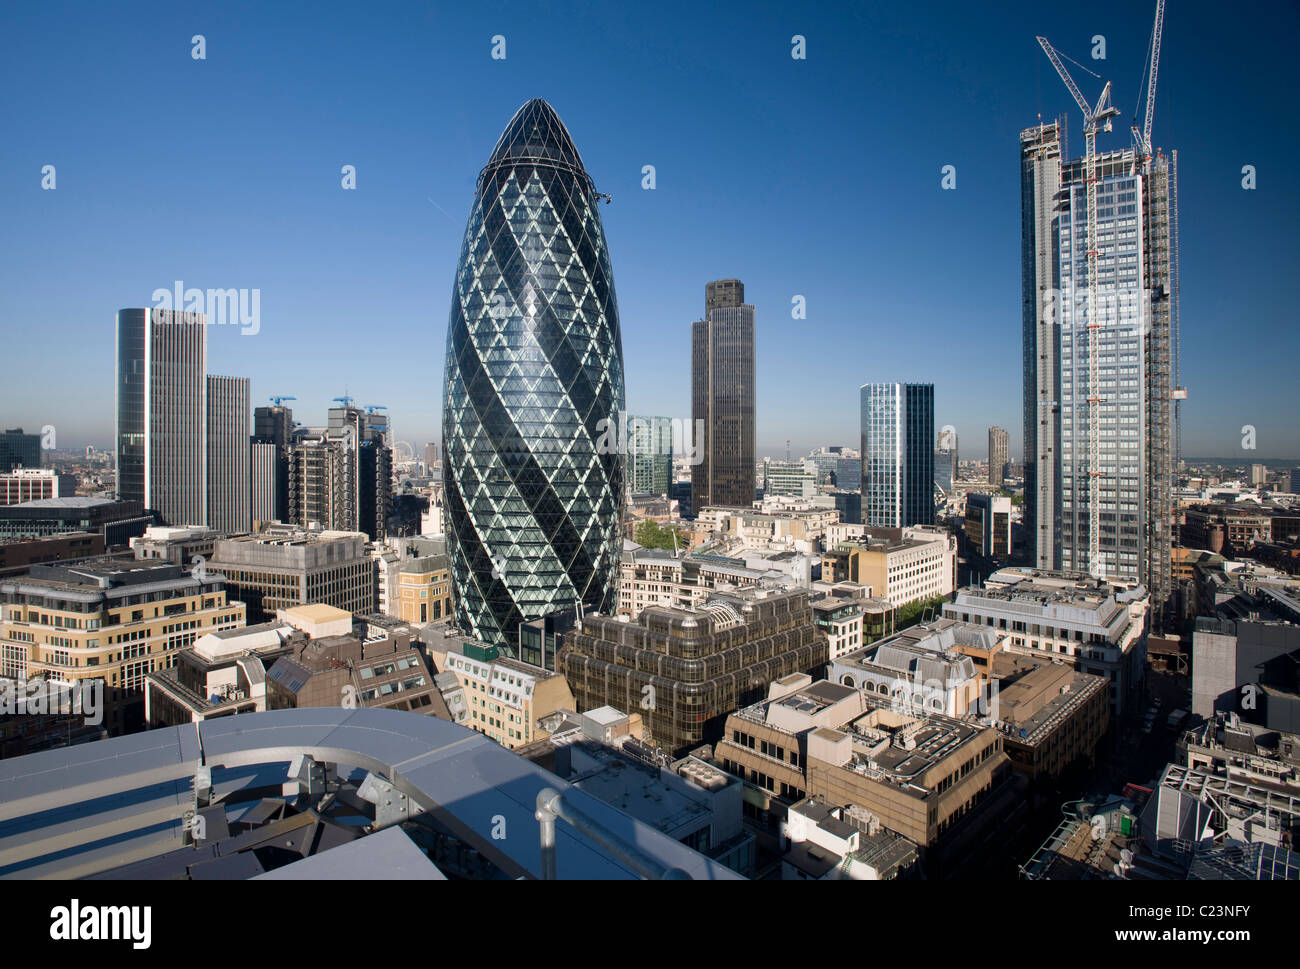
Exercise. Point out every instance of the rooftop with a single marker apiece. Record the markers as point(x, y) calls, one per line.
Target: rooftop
point(54, 804)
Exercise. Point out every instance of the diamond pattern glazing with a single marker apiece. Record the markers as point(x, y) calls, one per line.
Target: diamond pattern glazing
point(534, 363)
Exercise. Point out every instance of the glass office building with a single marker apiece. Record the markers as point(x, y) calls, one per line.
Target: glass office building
point(161, 409)
point(534, 373)
point(1121, 310)
point(1137, 316)
point(649, 455)
point(897, 454)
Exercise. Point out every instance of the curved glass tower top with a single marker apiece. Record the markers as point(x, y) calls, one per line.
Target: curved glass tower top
point(534, 365)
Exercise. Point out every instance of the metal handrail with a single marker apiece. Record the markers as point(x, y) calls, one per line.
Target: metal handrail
point(551, 805)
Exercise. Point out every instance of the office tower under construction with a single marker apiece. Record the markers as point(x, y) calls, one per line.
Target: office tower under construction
point(1135, 299)
point(340, 476)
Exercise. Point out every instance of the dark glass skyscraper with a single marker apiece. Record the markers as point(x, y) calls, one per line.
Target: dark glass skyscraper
point(722, 397)
point(534, 376)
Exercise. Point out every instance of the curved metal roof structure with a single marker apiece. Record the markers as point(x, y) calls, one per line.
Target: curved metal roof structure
point(80, 810)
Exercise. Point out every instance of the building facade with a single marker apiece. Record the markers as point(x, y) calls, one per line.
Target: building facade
point(988, 526)
point(33, 484)
point(722, 397)
point(685, 670)
point(897, 454)
point(19, 450)
point(284, 567)
point(534, 366)
point(424, 589)
point(108, 620)
point(229, 456)
point(507, 698)
point(161, 430)
point(649, 455)
point(999, 455)
point(1137, 314)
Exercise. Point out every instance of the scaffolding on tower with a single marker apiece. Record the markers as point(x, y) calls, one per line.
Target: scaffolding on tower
point(1094, 117)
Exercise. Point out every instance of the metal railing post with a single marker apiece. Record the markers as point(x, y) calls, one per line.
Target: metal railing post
point(551, 805)
point(546, 819)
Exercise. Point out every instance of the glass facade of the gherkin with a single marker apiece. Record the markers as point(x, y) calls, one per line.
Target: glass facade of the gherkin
point(534, 366)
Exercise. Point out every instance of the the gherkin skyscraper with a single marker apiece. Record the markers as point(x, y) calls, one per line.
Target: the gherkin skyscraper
point(534, 378)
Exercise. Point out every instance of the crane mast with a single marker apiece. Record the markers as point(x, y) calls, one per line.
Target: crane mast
point(1093, 117)
point(1142, 136)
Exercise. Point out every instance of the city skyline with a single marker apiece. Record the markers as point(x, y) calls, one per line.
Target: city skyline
point(393, 261)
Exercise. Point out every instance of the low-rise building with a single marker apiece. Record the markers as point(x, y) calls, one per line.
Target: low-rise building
point(284, 566)
point(1052, 717)
point(901, 565)
point(942, 783)
point(109, 620)
point(685, 670)
point(657, 577)
point(1095, 626)
point(32, 484)
point(20, 554)
point(352, 661)
point(117, 521)
point(920, 669)
point(222, 674)
point(829, 843)
point(178, 545)
point(690, 801)
point(507, 698)
point(424, 589)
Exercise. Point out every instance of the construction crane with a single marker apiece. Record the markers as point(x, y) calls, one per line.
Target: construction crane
point(345, 401)
point(276, 400)
point(1142, 136)
point(1093, 118)
point(1142, 163)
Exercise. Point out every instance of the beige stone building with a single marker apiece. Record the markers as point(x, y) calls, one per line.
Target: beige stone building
point(921, 776)
point(424, 589)
point(901, 565)
point(109, 620)
point(507, 698)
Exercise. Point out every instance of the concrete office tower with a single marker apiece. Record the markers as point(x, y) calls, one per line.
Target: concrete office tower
point(897, 454)
point(229, 456)
point(270, 483)
point(999, 455)
point(319, 484)
point(273, 424)
point(430, 456)
point(272, 437)
point(649, 455)
point(534, 376)
point(722, 397)
point(1040, 180)
point(161, 422)
point(1137, 313)
point(361, 437)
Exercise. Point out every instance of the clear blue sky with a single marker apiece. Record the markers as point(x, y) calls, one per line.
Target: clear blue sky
point(818, 177)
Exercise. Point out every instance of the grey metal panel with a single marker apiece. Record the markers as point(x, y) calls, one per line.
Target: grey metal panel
point(81, 829)
point(110, 856)
point(55, 778)
point(387, 854)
